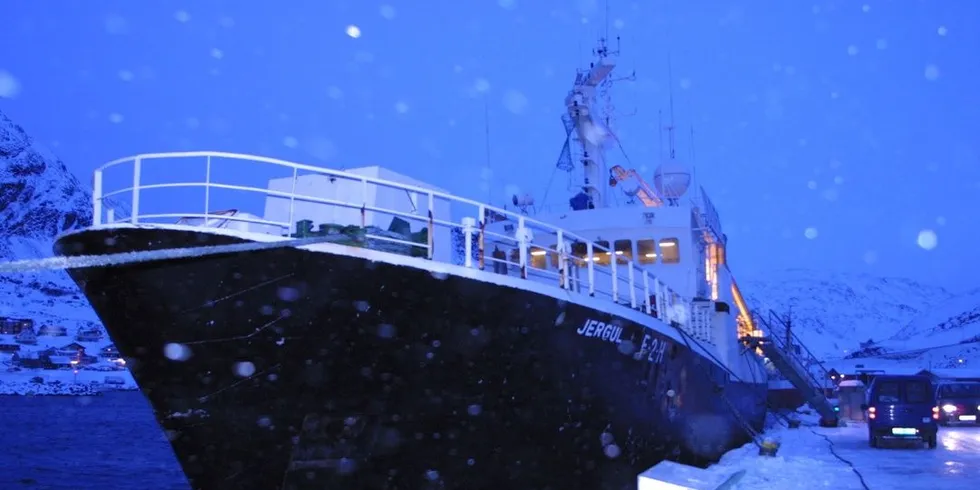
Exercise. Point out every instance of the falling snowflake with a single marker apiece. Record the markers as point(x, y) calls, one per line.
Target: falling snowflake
point(126, 75)
point(942, 30)
point(182, 16)
point(290, 142)
point(927, 239)
point(9, 86)
point(515, 101)
point(810, 233)
point(177, 352)
point(244, 369)
point(353, 31)
point(852, 50)
point(481, 85)
point(932, 73)
point(387, 11)
point(401, 107)
point(115, 118)
point(217, 53)
point(115, 24)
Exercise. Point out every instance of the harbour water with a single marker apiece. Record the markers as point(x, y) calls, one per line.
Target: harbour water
point(72, 443)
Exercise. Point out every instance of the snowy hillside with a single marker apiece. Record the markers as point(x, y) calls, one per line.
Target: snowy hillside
point(832, 312)
point(944, 336)
point(39, 198)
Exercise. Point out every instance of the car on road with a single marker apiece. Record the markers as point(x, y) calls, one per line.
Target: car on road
point(958, 401)
point(901, 408)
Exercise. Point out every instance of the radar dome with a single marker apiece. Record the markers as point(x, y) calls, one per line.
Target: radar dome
point(672, 179)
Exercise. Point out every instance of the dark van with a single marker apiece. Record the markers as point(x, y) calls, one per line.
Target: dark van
point(958, 401)
point(901, 408)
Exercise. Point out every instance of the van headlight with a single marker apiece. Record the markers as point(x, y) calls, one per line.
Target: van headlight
point(949, 408)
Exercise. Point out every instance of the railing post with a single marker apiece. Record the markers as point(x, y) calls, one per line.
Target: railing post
point(431, 242)
point(632, 287)
point(562, 272)
point(522, 242)
point(589, 252)
point(364, 200)
point(207, 190)
point(613, 265)
point(135, 205)
point(97, 198)
point(480, 241)
point(657, 290)
point(468, 241)
point(646, 291)
point(292, 203)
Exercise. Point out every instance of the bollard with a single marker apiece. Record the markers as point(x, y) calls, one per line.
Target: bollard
point(769, 447)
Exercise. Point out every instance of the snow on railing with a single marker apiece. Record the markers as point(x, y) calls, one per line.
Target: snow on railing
point(622, 283)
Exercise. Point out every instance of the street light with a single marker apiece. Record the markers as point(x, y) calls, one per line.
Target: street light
point(74, 367)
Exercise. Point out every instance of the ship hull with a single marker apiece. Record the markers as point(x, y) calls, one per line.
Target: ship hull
point(296, 368)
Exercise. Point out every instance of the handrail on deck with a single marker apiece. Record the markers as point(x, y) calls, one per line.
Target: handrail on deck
point(657, 298)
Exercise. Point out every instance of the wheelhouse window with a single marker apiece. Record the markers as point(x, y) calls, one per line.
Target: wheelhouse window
point(624, 251)
point(647, 251)
point(539, 258)
point(601, 253)
point(670, 252)
point(579, 252)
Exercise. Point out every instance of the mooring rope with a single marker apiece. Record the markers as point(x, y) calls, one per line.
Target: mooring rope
point(125, 258)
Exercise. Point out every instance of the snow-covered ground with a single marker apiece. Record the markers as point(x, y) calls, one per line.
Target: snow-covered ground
point(806, 460)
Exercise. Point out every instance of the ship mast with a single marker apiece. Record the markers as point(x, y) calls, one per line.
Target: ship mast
point(591, 127)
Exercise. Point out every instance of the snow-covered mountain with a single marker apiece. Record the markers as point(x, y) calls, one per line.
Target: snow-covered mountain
point(832, 313)
point(39, 198)
point(946, 335)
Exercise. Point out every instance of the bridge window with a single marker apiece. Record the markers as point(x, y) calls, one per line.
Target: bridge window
point(579, 251)
point(601, 254)
point(647, 250)
point(539, 257)
point(624, 251)
point(670, 252)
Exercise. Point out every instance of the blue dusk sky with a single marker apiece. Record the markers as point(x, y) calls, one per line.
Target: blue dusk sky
point(834, 135)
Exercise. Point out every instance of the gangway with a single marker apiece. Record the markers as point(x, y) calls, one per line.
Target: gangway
point(794, 361)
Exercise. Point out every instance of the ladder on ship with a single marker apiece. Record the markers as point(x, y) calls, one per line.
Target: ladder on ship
point(796, 363)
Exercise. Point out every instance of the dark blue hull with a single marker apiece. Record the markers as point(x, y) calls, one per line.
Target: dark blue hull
point(296, 369)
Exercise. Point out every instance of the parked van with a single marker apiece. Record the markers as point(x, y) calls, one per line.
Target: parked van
point(958, 401)
point(901, 408)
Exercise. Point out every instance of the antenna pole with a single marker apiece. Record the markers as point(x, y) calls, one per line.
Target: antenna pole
point(486, 126)
point(670, 89)
point(660, 134)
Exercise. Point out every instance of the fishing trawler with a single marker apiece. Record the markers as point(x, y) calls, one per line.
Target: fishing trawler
point(368, 330)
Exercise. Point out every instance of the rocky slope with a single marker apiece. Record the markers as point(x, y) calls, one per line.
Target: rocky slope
point(39, 198)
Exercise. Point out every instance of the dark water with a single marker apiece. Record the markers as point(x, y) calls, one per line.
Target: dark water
point(71, 443)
